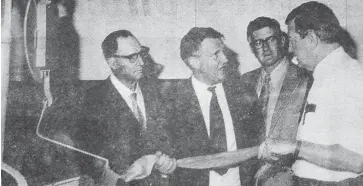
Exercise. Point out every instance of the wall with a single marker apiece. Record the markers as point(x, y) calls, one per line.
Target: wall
point(160, 24)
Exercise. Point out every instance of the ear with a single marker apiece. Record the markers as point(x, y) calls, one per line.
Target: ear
point(283, 41)
point(249, 39)
point(194, 62)
point(313, 39)
point(112, 63)
point(253, 50)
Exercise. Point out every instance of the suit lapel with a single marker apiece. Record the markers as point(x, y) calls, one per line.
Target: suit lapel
point(126, 132)
point(253, 79)
point(288, 88)
point(149, 93)
point(240, 101)
point(232, 101)
point(191, 109)
point(120, 109)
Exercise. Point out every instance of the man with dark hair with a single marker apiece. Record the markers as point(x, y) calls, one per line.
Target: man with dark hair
point(280, 86)
point(329, 147)
point(209, 115)
point(122, 120)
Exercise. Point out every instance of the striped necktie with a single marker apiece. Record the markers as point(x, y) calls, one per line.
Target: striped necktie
point(265, 94)
point(137, 111)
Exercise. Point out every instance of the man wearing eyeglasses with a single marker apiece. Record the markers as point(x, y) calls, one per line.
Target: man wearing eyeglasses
point(280, 86)
point(122, 120)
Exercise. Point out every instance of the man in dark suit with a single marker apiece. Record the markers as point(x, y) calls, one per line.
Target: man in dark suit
point(121, 119)
point(209, 115)
point(280, 85)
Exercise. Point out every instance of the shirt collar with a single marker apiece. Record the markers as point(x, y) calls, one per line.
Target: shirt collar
point(121, 88)
point(200, 86)
point(278, 73)
point(325, 64)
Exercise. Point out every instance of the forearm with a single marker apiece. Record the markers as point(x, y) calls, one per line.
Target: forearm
point(334, 157)
point(109, 177)
point(218, 160)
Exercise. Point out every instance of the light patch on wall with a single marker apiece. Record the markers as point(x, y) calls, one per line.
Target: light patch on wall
point(167, 22)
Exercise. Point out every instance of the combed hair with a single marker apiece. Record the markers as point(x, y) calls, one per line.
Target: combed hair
point(109, 44)
point(262, 22)
point(317, 17)
point(191, 42)
point(322, 20)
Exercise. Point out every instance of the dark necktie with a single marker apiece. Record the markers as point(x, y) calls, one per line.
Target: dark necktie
point(137, 111)
point(265, 94)
point(217, 130)
point(308, 87)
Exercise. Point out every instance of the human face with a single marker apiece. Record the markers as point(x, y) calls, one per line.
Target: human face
point(212, 61)
point(299, 47)
point(127, 62)
point(267, 46)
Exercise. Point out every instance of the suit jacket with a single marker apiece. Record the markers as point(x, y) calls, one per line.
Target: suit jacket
point(190, 136)
point(108, 127)
point(285, 118)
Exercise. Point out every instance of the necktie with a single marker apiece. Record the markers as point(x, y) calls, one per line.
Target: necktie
point(137, 111)
point(308, 87)
point(265, 94)
point(217, 130)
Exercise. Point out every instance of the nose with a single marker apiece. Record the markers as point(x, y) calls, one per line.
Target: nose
point(223, 58)
point(265, 46)
point(140, 60)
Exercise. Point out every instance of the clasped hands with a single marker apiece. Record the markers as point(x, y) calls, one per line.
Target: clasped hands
point(165, 164)
point(143, 166)
point(274, 149)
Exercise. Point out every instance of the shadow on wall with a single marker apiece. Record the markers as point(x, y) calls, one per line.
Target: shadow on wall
point(233, 63)
point(348, 43)
point(151, 68)
point(63, 48)
point(39, 161)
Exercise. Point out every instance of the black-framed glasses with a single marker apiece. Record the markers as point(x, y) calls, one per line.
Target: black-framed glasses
point(144, 52)
point(259, 42)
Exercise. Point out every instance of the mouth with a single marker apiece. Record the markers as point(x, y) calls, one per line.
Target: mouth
point(267, 55)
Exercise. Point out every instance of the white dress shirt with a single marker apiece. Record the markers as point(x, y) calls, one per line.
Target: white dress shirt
point(125, 93)
point(337, 93)
point(231, 178)
point(277, 78)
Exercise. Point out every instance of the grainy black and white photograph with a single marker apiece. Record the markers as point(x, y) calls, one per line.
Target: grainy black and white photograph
point(181, 93)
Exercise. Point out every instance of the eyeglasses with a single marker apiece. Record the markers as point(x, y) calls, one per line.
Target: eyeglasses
point(144, 52)
point(259, 43)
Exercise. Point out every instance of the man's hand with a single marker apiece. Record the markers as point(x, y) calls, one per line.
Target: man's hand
point(273, 148)
point(140, 169)
point(165, 164)
point(281, 147)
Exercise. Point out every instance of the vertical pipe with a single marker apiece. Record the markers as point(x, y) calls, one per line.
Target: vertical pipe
point(5, 61)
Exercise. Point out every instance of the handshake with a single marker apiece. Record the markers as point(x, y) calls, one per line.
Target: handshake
point(143, 166)
point(273, 150)
point(277, 150)
point(164, 163)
